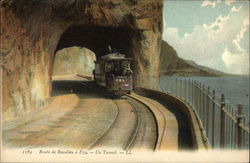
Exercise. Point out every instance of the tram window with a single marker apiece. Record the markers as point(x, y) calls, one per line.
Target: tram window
point(125, 64)
point(117, 65)
point(109, 66)
point(97, 68)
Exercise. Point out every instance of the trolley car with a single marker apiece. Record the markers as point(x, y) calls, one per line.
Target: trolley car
point(113, 72)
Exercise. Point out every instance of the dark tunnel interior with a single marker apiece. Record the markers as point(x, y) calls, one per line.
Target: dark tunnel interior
point(97, 38)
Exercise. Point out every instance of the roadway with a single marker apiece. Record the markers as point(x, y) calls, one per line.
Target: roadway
point(84, 117)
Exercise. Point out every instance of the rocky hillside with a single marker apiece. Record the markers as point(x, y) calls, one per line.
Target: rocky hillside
point(74, 60)
point(33, 31)
point(171, 64)
point(195, 65)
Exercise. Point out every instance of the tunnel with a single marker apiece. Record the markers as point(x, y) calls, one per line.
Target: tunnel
point(33, 31)
point(76, 61)
point(97, 39)
point(100, 40)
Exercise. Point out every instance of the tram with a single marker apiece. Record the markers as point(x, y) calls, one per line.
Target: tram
point(113, 71)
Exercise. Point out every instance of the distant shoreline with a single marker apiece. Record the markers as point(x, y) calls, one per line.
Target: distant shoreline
point(205, 75)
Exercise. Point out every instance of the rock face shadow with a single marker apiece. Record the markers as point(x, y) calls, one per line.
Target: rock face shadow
point(83, 89)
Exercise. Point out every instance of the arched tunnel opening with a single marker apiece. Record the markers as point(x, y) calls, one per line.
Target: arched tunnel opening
point(97, 39)
point(74, 60)
point(72, 67)
point(82, 45)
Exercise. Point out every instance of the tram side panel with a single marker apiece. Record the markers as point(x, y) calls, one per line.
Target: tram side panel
point(119, 84)
point(99, 74)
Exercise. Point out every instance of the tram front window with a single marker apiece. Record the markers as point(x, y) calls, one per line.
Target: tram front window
point(117, 68)
point(109, 66)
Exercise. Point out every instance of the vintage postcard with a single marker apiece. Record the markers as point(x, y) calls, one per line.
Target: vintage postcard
point(124, 80)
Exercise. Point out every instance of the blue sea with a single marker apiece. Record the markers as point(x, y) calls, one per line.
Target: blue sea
point(235, 88)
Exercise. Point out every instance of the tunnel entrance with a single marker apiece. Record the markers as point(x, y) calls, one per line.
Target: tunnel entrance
point(80, 45)
point(97, 39)
point(35, 30)
point(74, 61)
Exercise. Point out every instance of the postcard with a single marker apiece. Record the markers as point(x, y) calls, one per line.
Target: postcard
point(124, 81)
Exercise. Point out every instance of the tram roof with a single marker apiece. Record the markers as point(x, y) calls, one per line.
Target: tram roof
point(114, 56)
point(116, 59)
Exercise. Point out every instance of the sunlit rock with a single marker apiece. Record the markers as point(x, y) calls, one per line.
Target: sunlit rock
point(33, 31)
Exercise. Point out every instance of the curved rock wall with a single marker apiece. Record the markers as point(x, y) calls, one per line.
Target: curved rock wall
point(25, 68)
point(32, 30)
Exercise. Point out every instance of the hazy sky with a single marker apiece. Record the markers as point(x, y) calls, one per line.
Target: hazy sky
point(213, 33)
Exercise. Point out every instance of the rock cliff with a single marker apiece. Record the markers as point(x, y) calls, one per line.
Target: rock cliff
point(33, 31)
point(172, 65)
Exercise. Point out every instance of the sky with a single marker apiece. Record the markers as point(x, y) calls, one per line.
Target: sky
point(213, 33)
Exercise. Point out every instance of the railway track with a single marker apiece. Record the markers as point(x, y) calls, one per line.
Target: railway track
point(148, 129)
point(158, 114)
point(136, 128)
point(144, 135)
point(133, 128)
point(165, 128)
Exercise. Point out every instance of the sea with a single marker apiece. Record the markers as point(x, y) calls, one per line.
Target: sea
point(235, 89)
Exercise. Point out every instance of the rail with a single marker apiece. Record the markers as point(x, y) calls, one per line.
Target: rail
point(136, 129)
point(159, 116)
point(225, 126)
